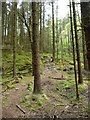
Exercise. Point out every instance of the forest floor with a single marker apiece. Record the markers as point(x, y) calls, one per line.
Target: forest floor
point(58, 96)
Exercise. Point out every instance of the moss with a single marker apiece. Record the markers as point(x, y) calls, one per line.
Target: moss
point(34, 101)
point(69, 84)
point(83, 87)
point(89, 107)
point(23, 63)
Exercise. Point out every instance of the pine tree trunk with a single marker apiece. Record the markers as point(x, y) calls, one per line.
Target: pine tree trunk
point(85, 11)
point(3, 7)
point(84, 50)
point(61, 50)
point(83, 41)
point(53, 30)
point(5, 37)
point(35, 47)
point(43, 41)
point(40, 45)
point(14, 36)
point(77, 93)
point(80, 80)
point(57, 40)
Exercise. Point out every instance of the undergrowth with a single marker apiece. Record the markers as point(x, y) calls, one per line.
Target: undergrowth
point(34, 101)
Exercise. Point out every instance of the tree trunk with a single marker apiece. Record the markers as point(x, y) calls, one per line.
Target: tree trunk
point(85, 11)
point(83, 40)
point(84, 50)
point(5, 37)
point(35, 47)
point(53, 30)
point(57, 39)
point(2, 21)
point(40, 45)
point(80, 80)
point(43, 41)
point(21, 27)
point(61, 50)
point(14, 7)
point(77, 93)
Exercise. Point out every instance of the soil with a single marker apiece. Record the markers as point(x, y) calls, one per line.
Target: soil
point(60, 104)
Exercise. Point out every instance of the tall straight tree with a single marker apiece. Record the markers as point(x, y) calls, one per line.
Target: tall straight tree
point(40, 45)
point(43, 27)
point(85, 12)
point(35, 47)
point(3, 20)
point(8, 26)
point(5, 24)
point(53, 32)
point(14, 8)
point(62, 50)
point(77, 93)
point(57, 39)
point(83, 38)
point(80, 80)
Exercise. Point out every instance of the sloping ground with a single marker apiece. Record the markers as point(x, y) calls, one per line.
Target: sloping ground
point(60, 97)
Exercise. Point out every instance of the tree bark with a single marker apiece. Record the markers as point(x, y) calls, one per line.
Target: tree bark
point(80, 80)
point(53, 30)
point(85, 11)
point(14, 36)
point(57, 39)
point(73, 44)
point(35, 48)
point(83, 39)
point(40, 45)
point(43, 41)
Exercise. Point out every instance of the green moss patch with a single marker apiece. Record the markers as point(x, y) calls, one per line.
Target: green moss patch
point(34, 101)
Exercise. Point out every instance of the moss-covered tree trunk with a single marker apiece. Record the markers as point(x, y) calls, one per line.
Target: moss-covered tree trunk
point(35, 47)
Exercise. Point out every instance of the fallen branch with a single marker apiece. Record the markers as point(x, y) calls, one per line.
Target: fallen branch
point(59, 78)
point(18, 106)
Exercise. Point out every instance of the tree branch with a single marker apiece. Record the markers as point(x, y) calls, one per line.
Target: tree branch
point(23, 19)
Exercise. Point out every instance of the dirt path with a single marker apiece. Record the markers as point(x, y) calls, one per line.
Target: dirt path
point(12, 97)
point(58, 105)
